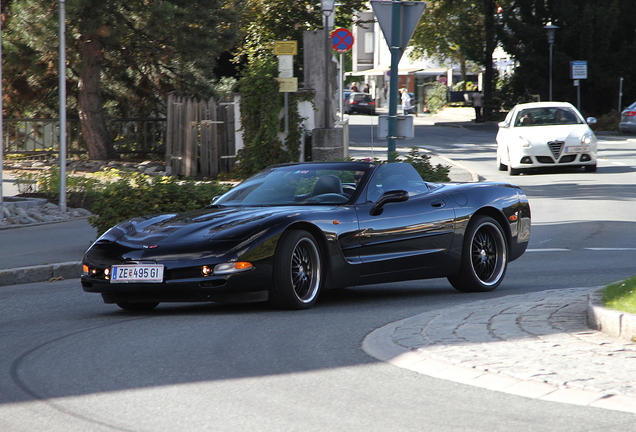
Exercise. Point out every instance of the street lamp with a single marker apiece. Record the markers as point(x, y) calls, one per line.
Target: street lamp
point(551, 30)
point(327, 6)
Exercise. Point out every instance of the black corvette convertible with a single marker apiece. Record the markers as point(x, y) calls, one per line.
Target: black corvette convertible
point(293, 230)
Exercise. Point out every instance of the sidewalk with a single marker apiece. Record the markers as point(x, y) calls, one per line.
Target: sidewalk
point(535, 345)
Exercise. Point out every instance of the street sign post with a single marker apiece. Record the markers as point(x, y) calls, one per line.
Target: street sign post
point(397, 20)
point(578, 71)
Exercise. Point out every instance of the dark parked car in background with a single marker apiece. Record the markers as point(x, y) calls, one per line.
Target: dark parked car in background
point(628, 119)
point(294, 230)
point(361, 103)
point(345, 101)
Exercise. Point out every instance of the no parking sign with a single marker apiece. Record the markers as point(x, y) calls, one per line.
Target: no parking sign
point(342, 40)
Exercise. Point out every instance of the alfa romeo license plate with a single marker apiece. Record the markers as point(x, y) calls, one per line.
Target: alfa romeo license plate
point(576, 149)
point(146, 273)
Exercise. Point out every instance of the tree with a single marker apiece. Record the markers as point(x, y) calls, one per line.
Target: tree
point(461, 30)
point(123, 57)
point(263, 22)
point(266, 21)
point(450, 30)
point(601, 33)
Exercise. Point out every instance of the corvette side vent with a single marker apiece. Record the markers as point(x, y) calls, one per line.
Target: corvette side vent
point(556, 147)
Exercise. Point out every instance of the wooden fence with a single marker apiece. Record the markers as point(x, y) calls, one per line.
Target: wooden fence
point(200, 138)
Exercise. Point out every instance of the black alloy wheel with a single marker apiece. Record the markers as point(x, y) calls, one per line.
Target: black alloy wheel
point(297, 271)
point(484, 257)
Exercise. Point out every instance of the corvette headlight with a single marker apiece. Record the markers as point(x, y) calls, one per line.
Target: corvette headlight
point(227, 268)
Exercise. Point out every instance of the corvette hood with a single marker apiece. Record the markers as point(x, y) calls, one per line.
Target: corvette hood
point(233, 223)
point(544, 134)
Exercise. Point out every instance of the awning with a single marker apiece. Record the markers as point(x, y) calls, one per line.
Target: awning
point(432, 71)
point(383, 71)
point(377, 71)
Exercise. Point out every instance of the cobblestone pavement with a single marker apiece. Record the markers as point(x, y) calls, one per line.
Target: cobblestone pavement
point(536, 345)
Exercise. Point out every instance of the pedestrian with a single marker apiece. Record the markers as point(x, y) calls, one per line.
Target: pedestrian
point(365, 89)
point(406, 103)
point(354, 87)
point(478, 104)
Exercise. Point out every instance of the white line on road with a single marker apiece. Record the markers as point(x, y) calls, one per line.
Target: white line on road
point(591, 249)
point(611, 249)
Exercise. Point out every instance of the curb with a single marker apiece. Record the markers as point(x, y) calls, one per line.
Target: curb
point(617, 324)
point(41, 273)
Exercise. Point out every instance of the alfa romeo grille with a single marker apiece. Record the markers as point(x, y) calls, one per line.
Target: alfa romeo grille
point(556, 147)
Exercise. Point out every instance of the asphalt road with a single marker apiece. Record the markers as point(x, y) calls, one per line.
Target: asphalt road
point(70, 363)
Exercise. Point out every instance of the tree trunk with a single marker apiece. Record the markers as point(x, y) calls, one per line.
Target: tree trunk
point(489, 24)
point(92, 121)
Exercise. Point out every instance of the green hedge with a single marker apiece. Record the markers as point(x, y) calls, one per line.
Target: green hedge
point(135, 195)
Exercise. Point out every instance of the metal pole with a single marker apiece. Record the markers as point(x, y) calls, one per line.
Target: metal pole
point(550, 94)
point(327, 59)
point(396, 10)
point(341, 85)
point(620, 95)
point(1, 129)
point(62, 106)
point(286, 114)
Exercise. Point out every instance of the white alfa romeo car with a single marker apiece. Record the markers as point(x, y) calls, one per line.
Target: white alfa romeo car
point(545, 134)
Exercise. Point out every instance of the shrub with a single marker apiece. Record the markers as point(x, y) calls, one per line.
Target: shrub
point(607, 122)
point(436, 97)
point(422, 164)
point(135, 195)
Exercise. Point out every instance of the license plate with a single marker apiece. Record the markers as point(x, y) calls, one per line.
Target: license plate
point(364, 103)
point(576, 149)
point(147, 273)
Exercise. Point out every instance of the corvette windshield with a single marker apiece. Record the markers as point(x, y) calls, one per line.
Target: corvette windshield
point(301, 184)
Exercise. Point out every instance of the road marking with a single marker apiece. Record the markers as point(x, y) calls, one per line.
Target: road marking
point(591, 249)
point(611, 249)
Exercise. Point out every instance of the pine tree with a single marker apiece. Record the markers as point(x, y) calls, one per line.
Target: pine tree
point(123, 58)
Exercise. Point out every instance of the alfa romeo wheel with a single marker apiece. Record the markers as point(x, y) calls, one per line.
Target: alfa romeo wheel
point(484, 257)
point(297, 271)
point(501, 166)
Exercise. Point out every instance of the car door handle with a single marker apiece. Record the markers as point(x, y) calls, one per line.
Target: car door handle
point(438, 204)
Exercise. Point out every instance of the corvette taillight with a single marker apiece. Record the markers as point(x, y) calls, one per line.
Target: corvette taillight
point(630, 113)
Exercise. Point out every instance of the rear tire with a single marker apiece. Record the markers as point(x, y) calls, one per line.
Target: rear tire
point(484, 257)
point(297, 271)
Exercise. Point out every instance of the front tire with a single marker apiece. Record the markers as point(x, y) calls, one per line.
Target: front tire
point(297, 271)
point(590, 168)
point(484, 257)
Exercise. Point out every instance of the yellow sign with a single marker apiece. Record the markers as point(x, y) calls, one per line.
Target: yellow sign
point(288, 85)
point(286, 48)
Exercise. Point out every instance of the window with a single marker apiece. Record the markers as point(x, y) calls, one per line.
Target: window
point(368, 42)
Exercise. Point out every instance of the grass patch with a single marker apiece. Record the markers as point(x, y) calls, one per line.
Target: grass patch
point(621, 295)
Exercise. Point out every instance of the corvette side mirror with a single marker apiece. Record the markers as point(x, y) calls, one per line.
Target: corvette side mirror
point(388, 197)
